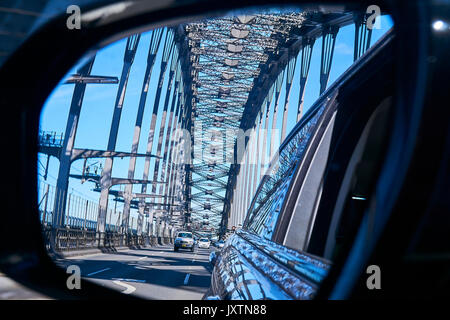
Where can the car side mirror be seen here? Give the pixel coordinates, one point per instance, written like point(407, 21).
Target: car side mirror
point(213, 258)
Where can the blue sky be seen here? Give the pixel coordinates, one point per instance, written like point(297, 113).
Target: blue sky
point(96, 114)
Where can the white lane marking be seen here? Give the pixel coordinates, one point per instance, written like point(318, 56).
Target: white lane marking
point(129, 280)
point(186, 279)
point(129, 289)
point(142, 258)
point(92, 273)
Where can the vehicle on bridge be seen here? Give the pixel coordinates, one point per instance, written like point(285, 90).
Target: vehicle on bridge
point(204, 243)
point(184, 240)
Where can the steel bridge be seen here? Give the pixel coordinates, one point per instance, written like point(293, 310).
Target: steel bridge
point(224, 78)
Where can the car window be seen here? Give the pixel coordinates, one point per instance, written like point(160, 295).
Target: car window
point(310, 192)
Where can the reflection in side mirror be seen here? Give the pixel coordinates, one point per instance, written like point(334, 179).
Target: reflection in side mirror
point(188, 136)
point(213, 258)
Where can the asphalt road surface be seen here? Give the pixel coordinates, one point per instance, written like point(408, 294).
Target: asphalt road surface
point(150, 273)
point(11, 290)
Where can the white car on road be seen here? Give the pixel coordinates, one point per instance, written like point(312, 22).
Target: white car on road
point(184, 240)
point(204, 243)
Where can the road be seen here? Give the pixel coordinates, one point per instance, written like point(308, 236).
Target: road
point(11, 290)
point(150, 273)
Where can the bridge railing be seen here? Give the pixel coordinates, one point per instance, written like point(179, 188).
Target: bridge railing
point(79, 230)
point(66, 239)
point(70, 239)
point(80, 213)
point(79, 226)
point(51, 139)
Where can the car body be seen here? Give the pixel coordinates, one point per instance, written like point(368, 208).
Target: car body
point(204, 243)
point(184, 240)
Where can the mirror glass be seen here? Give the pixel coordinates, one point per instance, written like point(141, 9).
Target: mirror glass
point(162, 147)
